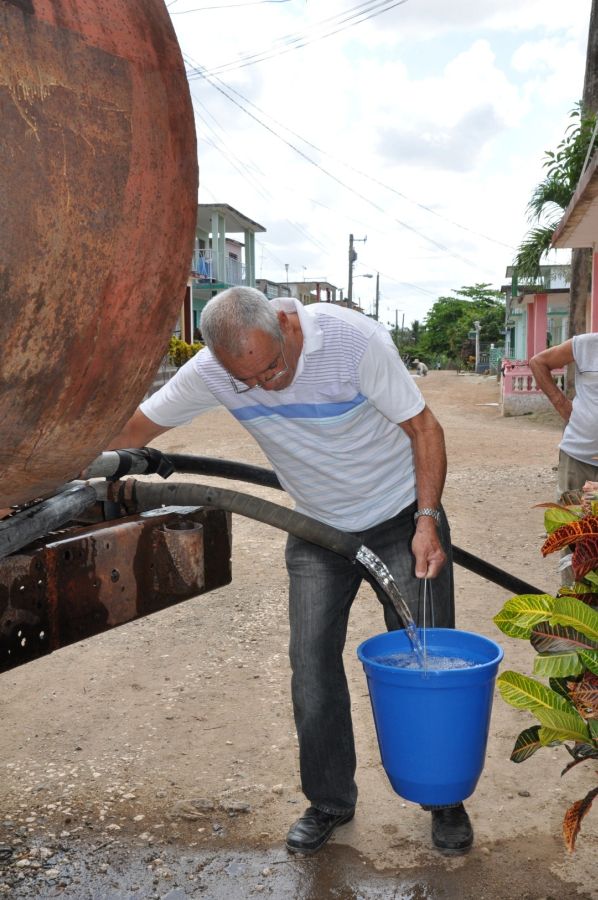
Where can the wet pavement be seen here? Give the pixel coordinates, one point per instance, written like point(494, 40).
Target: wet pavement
point(124, 870)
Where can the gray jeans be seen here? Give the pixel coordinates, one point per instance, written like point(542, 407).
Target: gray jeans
point(323, 586)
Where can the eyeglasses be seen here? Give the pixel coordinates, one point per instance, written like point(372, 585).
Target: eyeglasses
point(240, 387)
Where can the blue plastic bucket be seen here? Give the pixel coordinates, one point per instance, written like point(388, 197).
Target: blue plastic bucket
point(432, 726)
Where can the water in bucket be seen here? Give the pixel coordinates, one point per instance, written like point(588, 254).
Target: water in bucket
point(432, 723)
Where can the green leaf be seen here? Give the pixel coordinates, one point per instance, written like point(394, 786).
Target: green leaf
point(526, 744)
point(508, 625)
point(590, 660)
point(521, 613)
point(530, 604)
point(578, 615)
point(555, 517)
point(548, 737)
point(557, 665)
point(568, 726)
point(593, 726)
point(592, 577)
point(523, 692)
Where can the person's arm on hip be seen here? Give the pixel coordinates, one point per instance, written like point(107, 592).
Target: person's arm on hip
point(542, 365)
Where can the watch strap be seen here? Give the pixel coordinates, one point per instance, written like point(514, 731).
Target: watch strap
point(428, 511)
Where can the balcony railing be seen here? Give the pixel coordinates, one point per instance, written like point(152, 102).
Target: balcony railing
point(204, 268)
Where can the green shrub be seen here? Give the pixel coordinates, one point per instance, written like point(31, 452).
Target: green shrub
point(180, 351)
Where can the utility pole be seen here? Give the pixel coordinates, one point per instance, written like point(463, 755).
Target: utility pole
point(478, 328)
point(377, 295)
point(352, 258)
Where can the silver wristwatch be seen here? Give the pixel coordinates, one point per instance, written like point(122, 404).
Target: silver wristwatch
point(428, 511)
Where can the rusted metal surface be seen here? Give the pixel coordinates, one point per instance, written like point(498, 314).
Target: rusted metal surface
point(87, 580)
point(98, 168)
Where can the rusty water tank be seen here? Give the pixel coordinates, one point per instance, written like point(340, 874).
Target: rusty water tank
point(98, 167)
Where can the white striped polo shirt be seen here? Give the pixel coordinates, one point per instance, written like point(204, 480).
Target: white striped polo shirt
point(332, 435)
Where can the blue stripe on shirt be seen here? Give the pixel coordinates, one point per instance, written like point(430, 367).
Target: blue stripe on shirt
point(299, 410)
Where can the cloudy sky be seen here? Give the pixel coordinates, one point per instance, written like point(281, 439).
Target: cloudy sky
point(420, 124)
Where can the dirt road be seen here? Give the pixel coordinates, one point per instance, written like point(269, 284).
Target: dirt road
point(159, 760)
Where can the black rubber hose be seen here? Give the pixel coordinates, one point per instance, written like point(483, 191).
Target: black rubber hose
point(151, 495)
point(37, 520)
point(223, 468)
point(492, 573)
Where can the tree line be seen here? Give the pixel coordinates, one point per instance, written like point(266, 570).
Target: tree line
point(446, 334)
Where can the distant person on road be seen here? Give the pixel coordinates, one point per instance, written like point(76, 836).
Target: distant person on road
point(578, 450)
point(319, 387)
point(420, 367)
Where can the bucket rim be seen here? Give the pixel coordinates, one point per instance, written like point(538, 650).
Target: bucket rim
point(432, 632)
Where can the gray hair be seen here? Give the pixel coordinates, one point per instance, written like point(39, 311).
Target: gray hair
point(232, 313)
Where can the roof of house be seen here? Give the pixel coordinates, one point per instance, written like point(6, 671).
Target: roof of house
point(579, 225)
point(235, 221)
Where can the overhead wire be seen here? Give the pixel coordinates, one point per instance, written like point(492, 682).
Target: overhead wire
point(360, 172)
point(348, 19)
point(241, 166)
point(183, 12)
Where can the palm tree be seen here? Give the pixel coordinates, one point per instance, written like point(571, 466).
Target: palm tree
point(552, 196)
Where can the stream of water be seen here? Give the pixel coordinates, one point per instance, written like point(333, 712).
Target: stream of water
point(380, 571)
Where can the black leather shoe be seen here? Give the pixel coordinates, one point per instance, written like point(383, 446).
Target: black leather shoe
point(313, 829)
point(451, 829)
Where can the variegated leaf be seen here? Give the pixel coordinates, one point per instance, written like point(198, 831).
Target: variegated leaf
point(523, 692)
point(548, 737)
point(571, 533)
point(557, 515)
point(584, 592)
point(590, 660)
point(584, 695)
point(508, 625)
point(573, 613)
point(526, 744)
point(585, 557)
point(546, 638)
point(557, 665)
point(560, 686)
point(520, 613)
point(568, 726)
point(592, 577)
point(572, 498)
point(574, 816)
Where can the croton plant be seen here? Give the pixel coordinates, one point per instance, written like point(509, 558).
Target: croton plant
point(563, 630)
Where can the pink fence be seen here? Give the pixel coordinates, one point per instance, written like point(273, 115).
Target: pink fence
point(517, 378)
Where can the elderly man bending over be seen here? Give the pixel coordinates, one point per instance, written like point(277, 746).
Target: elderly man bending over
point(325, 394)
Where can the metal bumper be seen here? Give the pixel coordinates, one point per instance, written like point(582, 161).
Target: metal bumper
point(86, 580)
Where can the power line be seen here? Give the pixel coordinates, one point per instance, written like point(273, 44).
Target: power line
point(371, 178)
point(354, 16)
point(183, 12)
point(239, 164)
